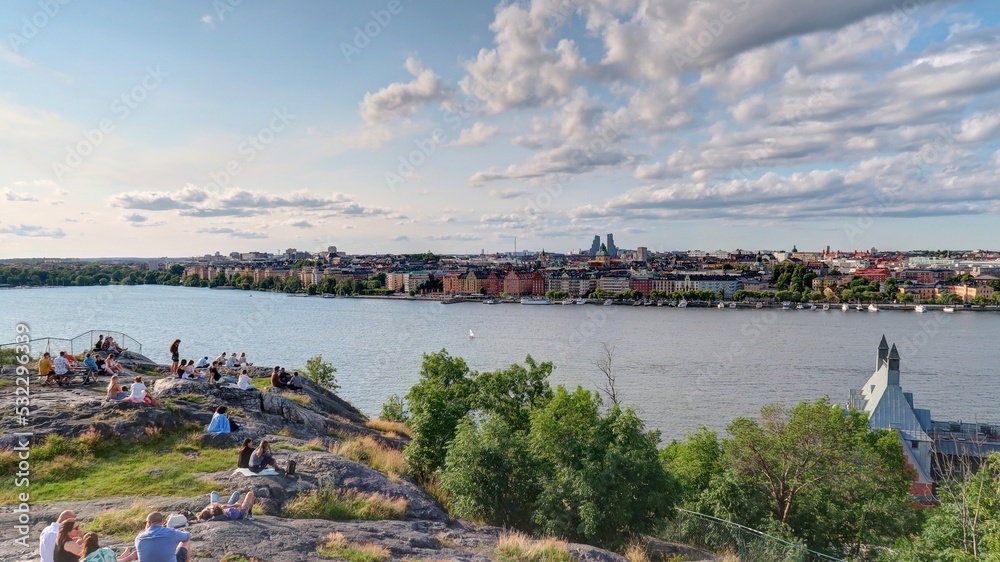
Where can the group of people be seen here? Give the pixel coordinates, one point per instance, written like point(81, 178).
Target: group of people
point(61, 370)
point(137, 391)
point(109, 345)
point(257, 458)
point(65, 541)
point(281, 379)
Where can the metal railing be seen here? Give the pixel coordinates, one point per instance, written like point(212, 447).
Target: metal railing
point(748, 545)
point(76, 345)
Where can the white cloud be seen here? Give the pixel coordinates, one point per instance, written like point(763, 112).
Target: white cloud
point(403, 99)
point(477, 135)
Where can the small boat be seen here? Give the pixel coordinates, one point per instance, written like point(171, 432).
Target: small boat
point(491, 301)
point(721, 306)
point(858, 308)
point(812, 307)
point(872, 307)
point(732, 305)
point(659, 303)
point(682, 304)
point(472, 335)
point(799, 306)
point(637, 303)
point(826, 307)
point(647, 302)
point(609, 302)
point(786, 305)
point(566, 301)
point(529, 300)
point(948, 309)
point(920, 309)
point(844, 307)
point(759, 305)
point(328, 296)
point(581, 301)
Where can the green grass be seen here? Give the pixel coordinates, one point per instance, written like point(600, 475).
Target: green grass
point(90, 467)
point(123, 524)
point(335, 545)
point(193, 398)
point(517, 547)
point(339, 505)
point(4, 383)
point(311, 445)
point(230, 557)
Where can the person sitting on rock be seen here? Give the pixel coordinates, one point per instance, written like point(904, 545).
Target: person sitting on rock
point(221, 422)
point(276, 380)
point(158, 543)
point(112, 367)
point(115, 390)
point(47, 539)
point(221, 359)
point(92, 551)
point(242, 360)
point(203, 362)
point(45, 369)
point(244, 383)
point(232, 511)
point(295, 383)
point(138, 392)
point(243, 461)
point(99, 346)
point(67, 548)
point(191, 373)
point(231, 361)
point(216, 377)
point(91, 364)
point(262, 458)
point(113, 346)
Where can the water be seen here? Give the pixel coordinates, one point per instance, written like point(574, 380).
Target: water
point(679, 368)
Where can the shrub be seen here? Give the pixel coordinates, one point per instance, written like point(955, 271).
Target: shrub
point(394, 410)
point(322, 373)
point(518, 547)
point(338, 505)
point(335, 545)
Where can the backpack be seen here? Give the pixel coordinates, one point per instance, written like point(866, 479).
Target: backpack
point(290, 466)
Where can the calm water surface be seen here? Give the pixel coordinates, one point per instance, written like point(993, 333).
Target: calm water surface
point(681, 368)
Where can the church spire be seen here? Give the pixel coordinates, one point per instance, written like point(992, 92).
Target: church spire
point(883, 353)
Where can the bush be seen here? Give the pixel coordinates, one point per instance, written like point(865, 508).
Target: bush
point(394, 410)
point(322, 373)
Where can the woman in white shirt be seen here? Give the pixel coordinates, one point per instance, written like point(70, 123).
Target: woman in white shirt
point(138, 392)
point(190, 373)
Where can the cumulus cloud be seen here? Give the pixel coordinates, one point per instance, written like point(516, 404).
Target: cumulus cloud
point(476, 135)
point(400, 238)
point(11, 195)
point(980, 127)
point(460, 236)
point(301, 224)
point(403, 99)
point(508, 193)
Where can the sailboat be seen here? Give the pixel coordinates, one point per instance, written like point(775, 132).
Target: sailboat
point(472, 335)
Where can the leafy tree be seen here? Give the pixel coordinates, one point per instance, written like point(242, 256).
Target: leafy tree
point(512, 393)
point(322, 373)
point(829, 480)
point(604, 482)
point(442, 397)
point(394, 410)
point(491, 473)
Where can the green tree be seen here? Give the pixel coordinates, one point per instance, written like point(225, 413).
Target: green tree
point(322, 373)
point(442, 397)
point(394, 409)
point(604, 482)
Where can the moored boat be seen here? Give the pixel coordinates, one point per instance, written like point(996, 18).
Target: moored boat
point(872, 307)
point(491, 301)
point(826, 307)
point(948, 309)
point(844, 307)
point(732, 305)
point(920, 309)
point(721, 306)
point(682, 304)
point(530, 300)
point(609, 302)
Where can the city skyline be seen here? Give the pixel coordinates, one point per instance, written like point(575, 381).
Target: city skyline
point(402, 127)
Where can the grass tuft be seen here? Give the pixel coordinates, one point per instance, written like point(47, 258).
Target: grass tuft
point(340, 505)
point(335, 545)
point(391, 427)
point(123, 524)
point(518, 547)
point(367, 450)
point(191, 397)
point(636, 552)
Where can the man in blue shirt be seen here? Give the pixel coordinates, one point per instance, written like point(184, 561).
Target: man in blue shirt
point(161, 544)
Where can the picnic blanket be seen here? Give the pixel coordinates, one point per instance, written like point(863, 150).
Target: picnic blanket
point(248, 472)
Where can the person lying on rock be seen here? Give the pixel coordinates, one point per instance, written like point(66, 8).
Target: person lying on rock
point(262, 458)
point(92, 551)
point(230, 511)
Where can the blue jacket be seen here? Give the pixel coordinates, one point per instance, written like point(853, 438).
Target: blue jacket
point(220, 424)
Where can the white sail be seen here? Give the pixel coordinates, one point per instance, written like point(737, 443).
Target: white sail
point(472, 334)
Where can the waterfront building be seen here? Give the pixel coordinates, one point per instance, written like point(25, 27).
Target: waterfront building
point(613, 283)
point(969, 292)
point(888, 407)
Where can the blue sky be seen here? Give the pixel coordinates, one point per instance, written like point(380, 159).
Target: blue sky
point(186, 127)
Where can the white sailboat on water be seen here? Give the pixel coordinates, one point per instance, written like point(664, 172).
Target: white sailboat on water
point(472, 335)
